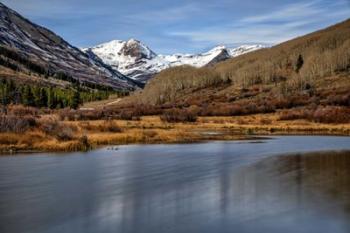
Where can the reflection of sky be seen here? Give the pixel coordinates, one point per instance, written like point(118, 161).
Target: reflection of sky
point(183, 25)
point(270, 195)
point(215, 187)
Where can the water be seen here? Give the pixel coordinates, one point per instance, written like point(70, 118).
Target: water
point(267, 186)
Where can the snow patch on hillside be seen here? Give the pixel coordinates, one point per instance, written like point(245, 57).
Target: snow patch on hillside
point(136, 60)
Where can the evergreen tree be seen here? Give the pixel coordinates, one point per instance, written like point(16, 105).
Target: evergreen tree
point(11, 86)
point(5, 94)
point(51, 100)
point(299, 64)
point(35, 96)
point(5, 98)
point(64, 102)
point(36, 93)
point(75, 100)
point(27, 96)
point(43, 98)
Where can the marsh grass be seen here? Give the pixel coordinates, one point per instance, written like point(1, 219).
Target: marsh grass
point(51, 134)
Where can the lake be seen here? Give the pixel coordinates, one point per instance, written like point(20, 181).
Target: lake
point(284, 184)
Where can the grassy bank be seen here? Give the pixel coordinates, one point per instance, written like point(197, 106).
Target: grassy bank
point(51, 134)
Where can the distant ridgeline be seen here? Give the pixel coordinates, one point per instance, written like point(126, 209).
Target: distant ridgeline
point(312, 68)
point(52, 97)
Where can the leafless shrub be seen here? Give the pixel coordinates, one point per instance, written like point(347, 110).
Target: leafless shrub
point(328, 114)
point(56, 128)
point(76, 115)
point(340, 99)
point(179, 115)
point(15, 124)
point(19, 110)
point(128, 115)
point(332, 114)
point(65, 134)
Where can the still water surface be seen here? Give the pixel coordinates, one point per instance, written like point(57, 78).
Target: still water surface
point(277, 185)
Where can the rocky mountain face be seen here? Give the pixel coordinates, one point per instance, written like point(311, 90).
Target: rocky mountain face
point(24, 42)
point(137, 61)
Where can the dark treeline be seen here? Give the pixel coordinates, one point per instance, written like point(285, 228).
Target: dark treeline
point(8, 56)
point(65, 77)
point(47, 97)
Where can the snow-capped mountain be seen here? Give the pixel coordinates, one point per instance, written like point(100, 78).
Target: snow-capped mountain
point(137, 61)
point(40, 46)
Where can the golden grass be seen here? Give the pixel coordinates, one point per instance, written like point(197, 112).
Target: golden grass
point(151, 129)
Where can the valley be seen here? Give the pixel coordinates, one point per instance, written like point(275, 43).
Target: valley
point(56, 97)
point(174, 116)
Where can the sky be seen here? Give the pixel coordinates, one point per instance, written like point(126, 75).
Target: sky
point(182, 26)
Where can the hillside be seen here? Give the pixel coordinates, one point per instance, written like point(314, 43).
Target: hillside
point(310, 71)
point(31, 50)
point(137, 61)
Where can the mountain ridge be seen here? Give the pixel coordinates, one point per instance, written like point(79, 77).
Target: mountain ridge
point(135, 59)
point(308, 71)
point(38, 45)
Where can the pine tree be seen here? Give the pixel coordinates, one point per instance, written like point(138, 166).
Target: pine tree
point(27, 96)
point(5, 98)
point(299, 64)
point(75, 100)
point(51, 99)
point(43, 98)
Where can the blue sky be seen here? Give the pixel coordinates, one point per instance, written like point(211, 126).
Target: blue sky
point(169, 26)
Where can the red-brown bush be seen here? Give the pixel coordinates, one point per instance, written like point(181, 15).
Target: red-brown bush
point(328, 114)
point(331, 114)
point(179, 115)
point(60, 130)
point(76, 115)
point(20, 110)
point(16, 124)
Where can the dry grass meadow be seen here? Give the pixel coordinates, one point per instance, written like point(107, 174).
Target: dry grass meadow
point(51, 134)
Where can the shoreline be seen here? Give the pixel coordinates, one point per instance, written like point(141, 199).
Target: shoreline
point(252, 138)
point(86, 135)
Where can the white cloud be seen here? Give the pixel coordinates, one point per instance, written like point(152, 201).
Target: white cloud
point(286, 23)
point(170, 14)
point(289, 12)
point(269, 34)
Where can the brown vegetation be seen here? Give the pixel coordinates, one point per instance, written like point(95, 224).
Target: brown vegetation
point(49, 133)
point(16, 124)
point(298, 87)
point(328, 114)
point(178, 115)
point(305, 72)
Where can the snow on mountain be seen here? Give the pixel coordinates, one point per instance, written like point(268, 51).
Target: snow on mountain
point(137, 61)
point(234, 52)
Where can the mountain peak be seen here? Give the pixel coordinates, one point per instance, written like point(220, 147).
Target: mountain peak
point(138, 61)
point(138, 50)
point(133, 41)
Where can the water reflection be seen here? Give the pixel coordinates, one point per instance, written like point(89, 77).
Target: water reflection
point(294, 193)
point(201, 188)
point(294, 184)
